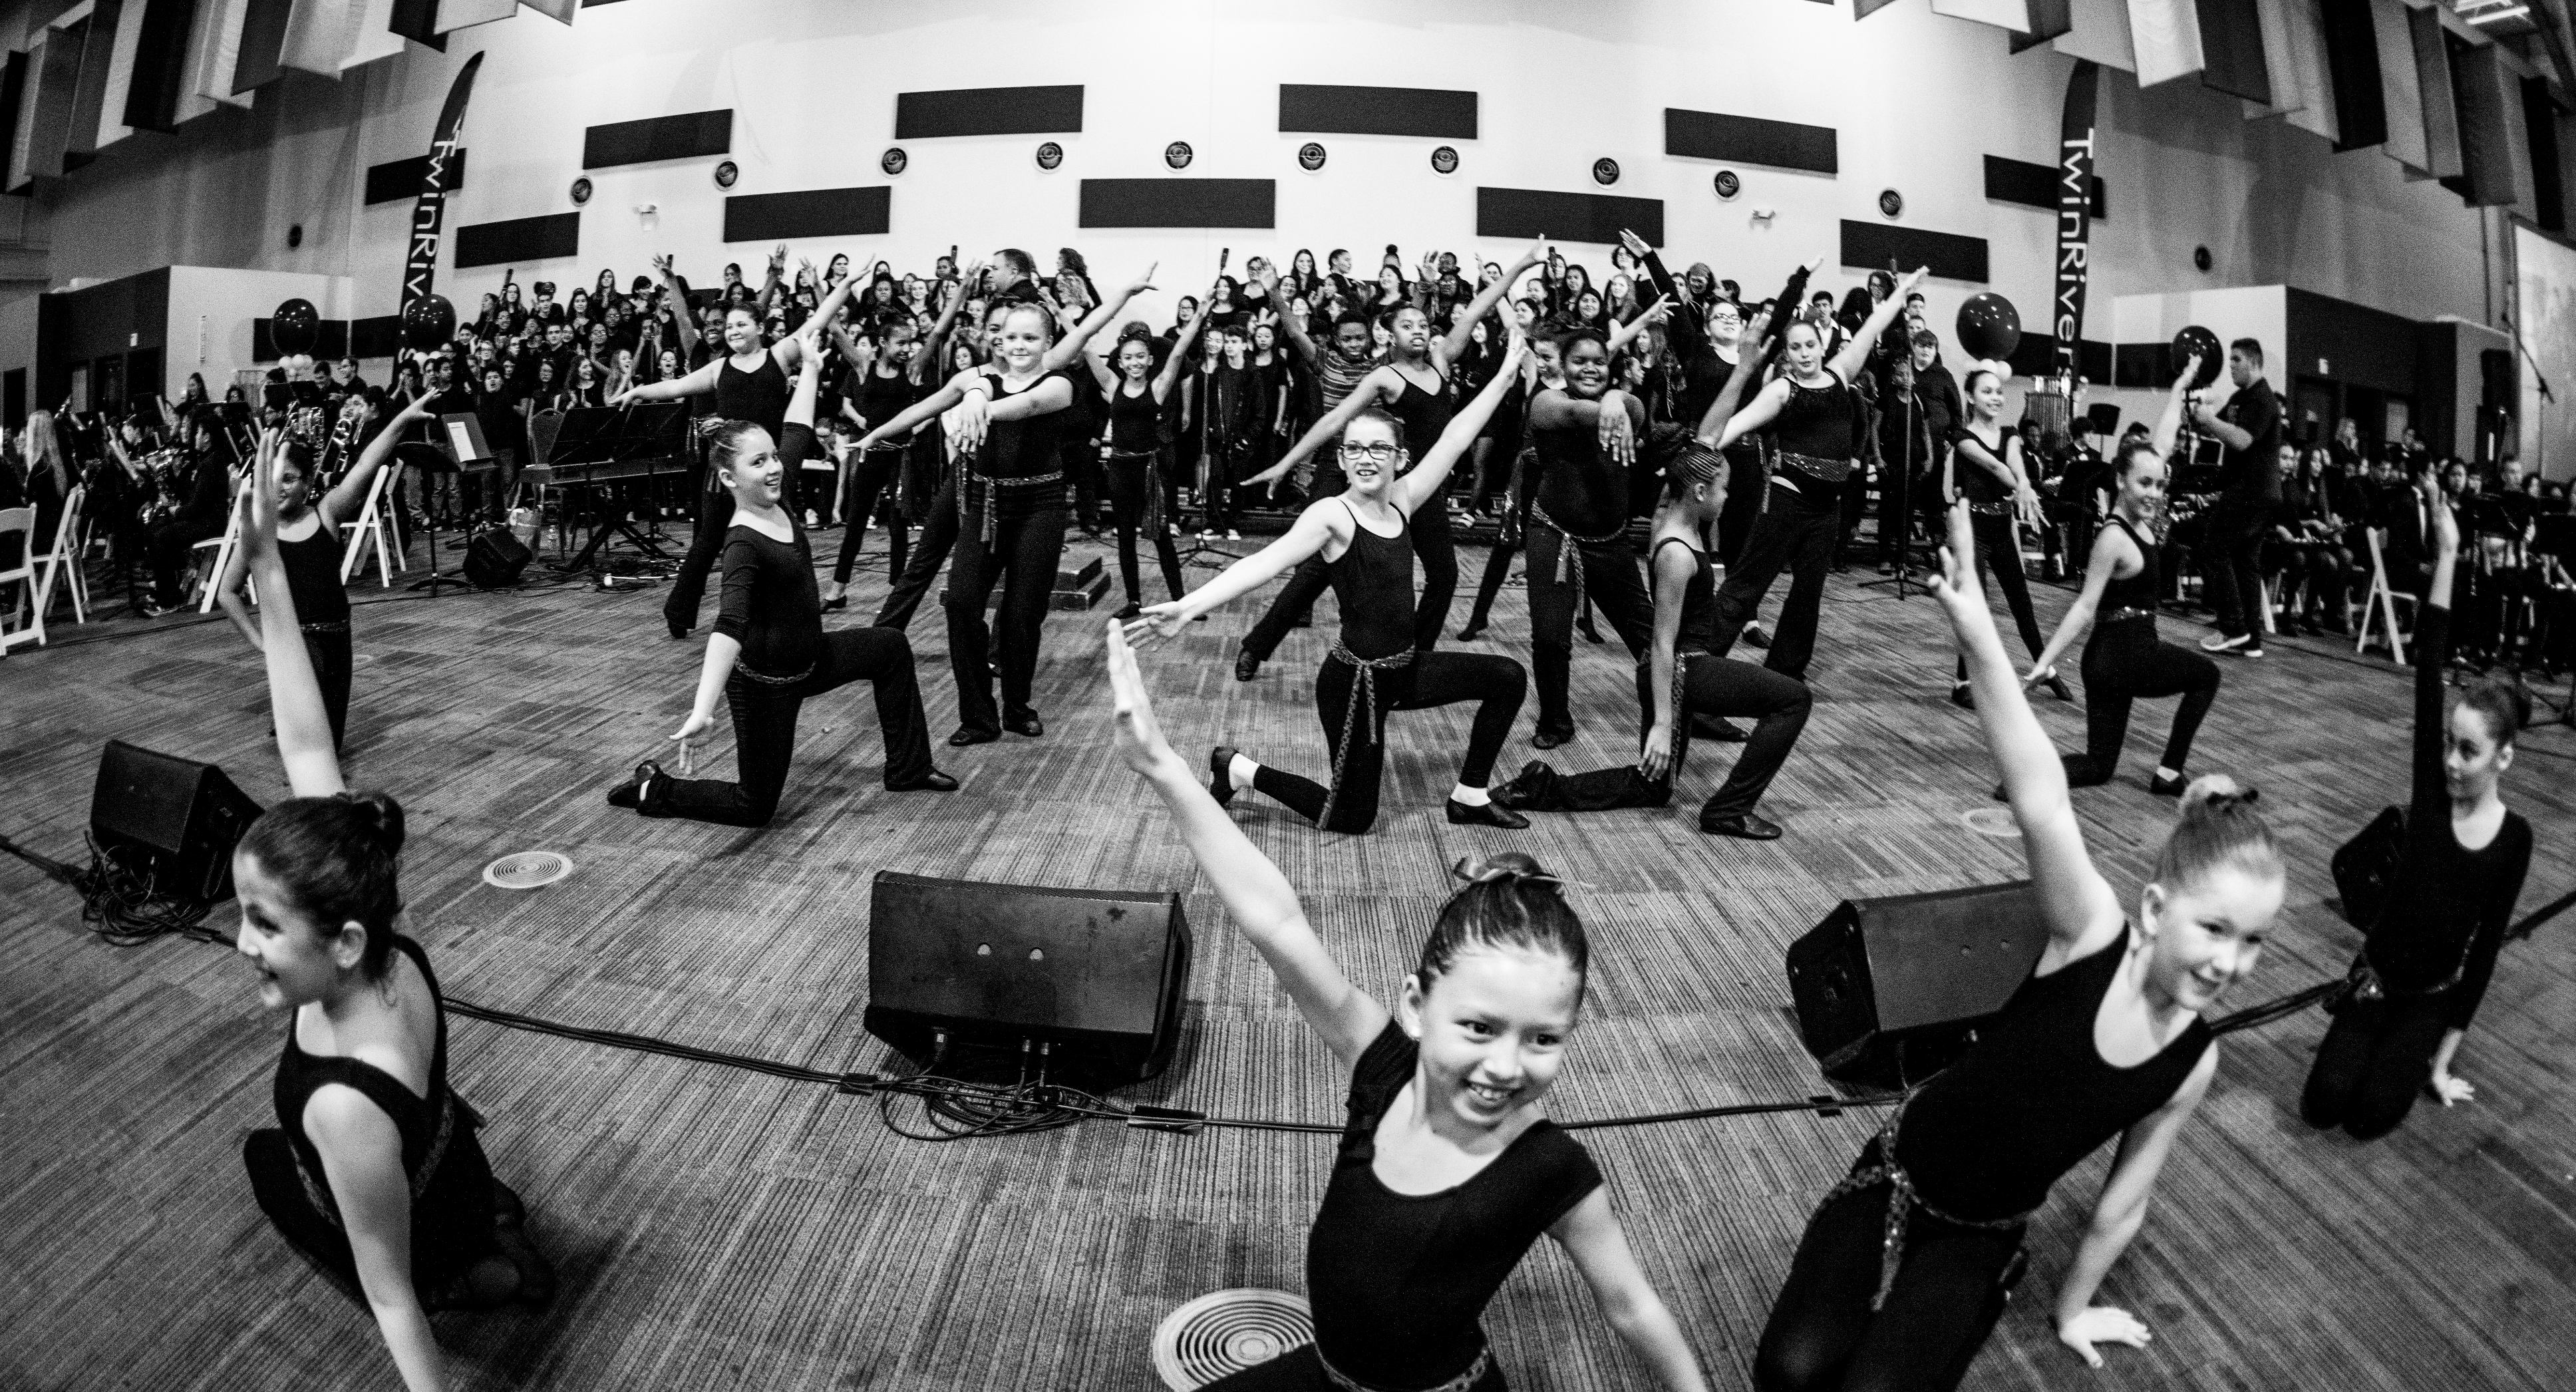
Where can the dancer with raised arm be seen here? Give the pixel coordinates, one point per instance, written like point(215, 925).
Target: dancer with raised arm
point(1005, 425)
point(1909, 1261)
point(2424, 967)
point(1679, 679)
point(2123, 658)
point(769, 652)
point(1584, 437)
point(1985, 466)
point(308, 540)
point(374, 1172)
point(1363, 534)
point(1136, 394)
point(1447, 1173)
point(893, 371)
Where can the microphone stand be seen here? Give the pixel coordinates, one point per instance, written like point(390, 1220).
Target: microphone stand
point(1903, 581)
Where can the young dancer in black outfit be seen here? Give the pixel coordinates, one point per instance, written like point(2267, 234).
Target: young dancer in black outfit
point(1005, 424)
point(1985, 466)
point(373, 1173)
point(1678, 678)
point(1584, 437)
point(1136, 393)
point(1908, 1263)
point(2424, 968)
point(769, 652)
point(2124, 659)
point(1446, 1173)
point(1816, 417)
point(889, 380)
point(308, 537)
point(1363, 535)
point(1708, 341)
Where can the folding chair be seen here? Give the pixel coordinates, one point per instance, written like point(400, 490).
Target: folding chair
point(211, 579)
point(374, 528)
point(66, 557)
point(2381, 604)
point(28, 615)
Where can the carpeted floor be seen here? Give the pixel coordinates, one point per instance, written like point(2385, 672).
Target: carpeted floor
point(719, 1229)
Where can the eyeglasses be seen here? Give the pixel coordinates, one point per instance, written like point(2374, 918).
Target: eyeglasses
point(1375, 454)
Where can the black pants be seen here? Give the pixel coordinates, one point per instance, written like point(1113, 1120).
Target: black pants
point(333, 666)
point(878, 473)
point(2231, 564)
point(1022, 559)
point(1710, 686)
point(1795, 534)
point(2124, 661)
point(1748, 481)
point(1951, 1288)
point(1999, 551)
point(764, 729)
point(1610, 580)
point(938, 538)
point(1132, 483)
point(1495, 684)
point(1217, 504)
point(1437, 551)
point(1081, 465)
point(172, 543)
point(2376, 1058)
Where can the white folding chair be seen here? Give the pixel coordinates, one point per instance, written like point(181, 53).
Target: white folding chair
point(65, 558)
point(374, 528)
point(211, 579)
point(2381, 605)
point(22, 611)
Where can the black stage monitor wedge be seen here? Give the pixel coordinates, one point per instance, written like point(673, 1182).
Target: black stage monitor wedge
point(1094, 974)
point(1890, 990)
point(494, 558)
point(172, 821)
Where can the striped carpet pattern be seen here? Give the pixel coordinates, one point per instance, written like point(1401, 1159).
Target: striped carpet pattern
point(720, 1229)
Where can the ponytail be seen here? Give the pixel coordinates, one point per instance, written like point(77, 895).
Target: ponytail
point(1507, 902)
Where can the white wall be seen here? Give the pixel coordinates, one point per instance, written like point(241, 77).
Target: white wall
point(210, 319)
point(2545, 274)
point(1919, 100)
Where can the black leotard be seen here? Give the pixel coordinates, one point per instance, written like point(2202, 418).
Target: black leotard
point(1399, 1281)
point(1814, 431)
point(759, 396)
point(1699, 599)
point(1373, 583)
point(1424, 415)
point(2136, 594)
point(313, 577)
point(1134, 420)
point(1987, 1137)
point(770, 602)
point(881, 398)
point(1984, 492)
point(1580, 490)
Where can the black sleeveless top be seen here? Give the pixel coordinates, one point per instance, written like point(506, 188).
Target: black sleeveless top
point(2138, 592)
point(758, 396)
point(1581, 490)
point(882, 398)
point(1699, 599)
point(1135, 421)
point(451, 1200)
point(1987, 1137)
point(1816, 421)
point(313, 576)
point(1399, 1281)
point(1025, 448)
point(1373, 584)
point(1424, 415)
point(1980, 488)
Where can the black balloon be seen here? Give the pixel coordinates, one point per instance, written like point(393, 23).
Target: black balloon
point(428, 322)
point(1989, 326)
point(2197, 341)
point(295, 328)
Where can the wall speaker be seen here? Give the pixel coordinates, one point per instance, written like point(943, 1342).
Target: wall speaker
point(964, 974)
point(494, 559)
point(1889, 991)
point(173, 822)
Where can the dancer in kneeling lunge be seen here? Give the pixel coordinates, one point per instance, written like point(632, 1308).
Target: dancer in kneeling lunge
point(769, 651)
point(1909, 1261)
point(1985, 467)
point(373, 1174)
point(2123, 657)
point(2424, 968)
point(1678, 678)
point(1447, 1172)
point(1364, 535)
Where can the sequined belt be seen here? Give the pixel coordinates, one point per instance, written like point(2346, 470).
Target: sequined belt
point(1991, 509)
point(328, 626)
point(765, 679)
point(318, 1193)
point(1823, 470)
point(1570, 555)
point(1363, 698)
point(987, 526)
point(2112, 616)
point(1902, 1200)
point(1474, 1373)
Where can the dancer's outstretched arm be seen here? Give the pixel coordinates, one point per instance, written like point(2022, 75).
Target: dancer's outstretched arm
point(1257, 897)
point(1447, 348)
point(2117, 1216)
point(1382, 384)
point(2169, 425)
point(1322, 521)
point(1423, 481)
point(1070, 347)
point(304, 741)
point(2109, 544)
point(1855, 354)
point(1591, 1235)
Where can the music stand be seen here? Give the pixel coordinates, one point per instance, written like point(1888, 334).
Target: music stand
point(635, 442)
point(428, 459)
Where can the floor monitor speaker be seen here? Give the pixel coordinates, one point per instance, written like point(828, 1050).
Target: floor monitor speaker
point(1888, 991)
point(173, 822)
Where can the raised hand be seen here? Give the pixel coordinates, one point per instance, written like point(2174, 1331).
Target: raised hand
point(1144, 282)
point(662, 265)
point(1139, 738)
point(1635, 244)
point(1267, 277)
point(1906, 286)
point(1956, 586)
point(1659, 311)
point(259, 501)
point(2190, 373)
point(778, 260)
point(2102, 1324)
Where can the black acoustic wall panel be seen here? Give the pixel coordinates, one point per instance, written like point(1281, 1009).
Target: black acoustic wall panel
point(263, 38)
point(988, 111)
point(160, 65)
point(54, 66)
point(2352, 70)
point(1377, 111)
point(785, 217)
point(1750, 140)
point(1951, 257)
point(417, 20)
point(2035, 185)
point(388, 183)
point(89, 94)
point(2493, 156)
point(686, 136)
point(2231, 40)
point(1180, 203)
point(1567, 217)
point(519, 239)
point(2540, 128)
point(13, 93)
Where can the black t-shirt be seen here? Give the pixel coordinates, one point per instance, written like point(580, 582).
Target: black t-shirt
point(2253, 473)
point(770, 603)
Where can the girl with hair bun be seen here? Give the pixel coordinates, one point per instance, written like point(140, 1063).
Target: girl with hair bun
point(2425, 965)
point(1909, 1261)
point(374, 1173)
point(1985, 467)
point(1447, 1173)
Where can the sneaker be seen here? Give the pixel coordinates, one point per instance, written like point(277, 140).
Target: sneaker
point(1755, 636)
point(2167, 787)
point(1232, 535)
point(2220, 642)
point(1221, 774)
point(2249, 650)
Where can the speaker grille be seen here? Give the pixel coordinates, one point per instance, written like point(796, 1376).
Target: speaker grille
point(527, 870)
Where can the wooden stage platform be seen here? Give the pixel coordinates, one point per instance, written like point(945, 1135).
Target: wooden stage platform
point(718, 1229)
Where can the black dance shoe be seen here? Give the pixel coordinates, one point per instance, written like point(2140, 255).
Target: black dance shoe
point(1024, 723)
point(931, 782)
point(1246, 666)
point(1470, 632)
point(1550, 738)
point(679, 631)
point(1491, 814)
point(1520, 791)
point(2057, 686)
point(1744, 826)
point(1755, 636)
point(630, 794)
point(972, 734)
point(837, 602)
point(1963, 696)
point(1584, 627)
point(1132, 610)
point(1718, 728)
point(2162, 786)
point(1221, 774)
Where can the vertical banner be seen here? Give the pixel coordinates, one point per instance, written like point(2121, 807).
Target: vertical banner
point(421, 268)
point(2074, 211)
